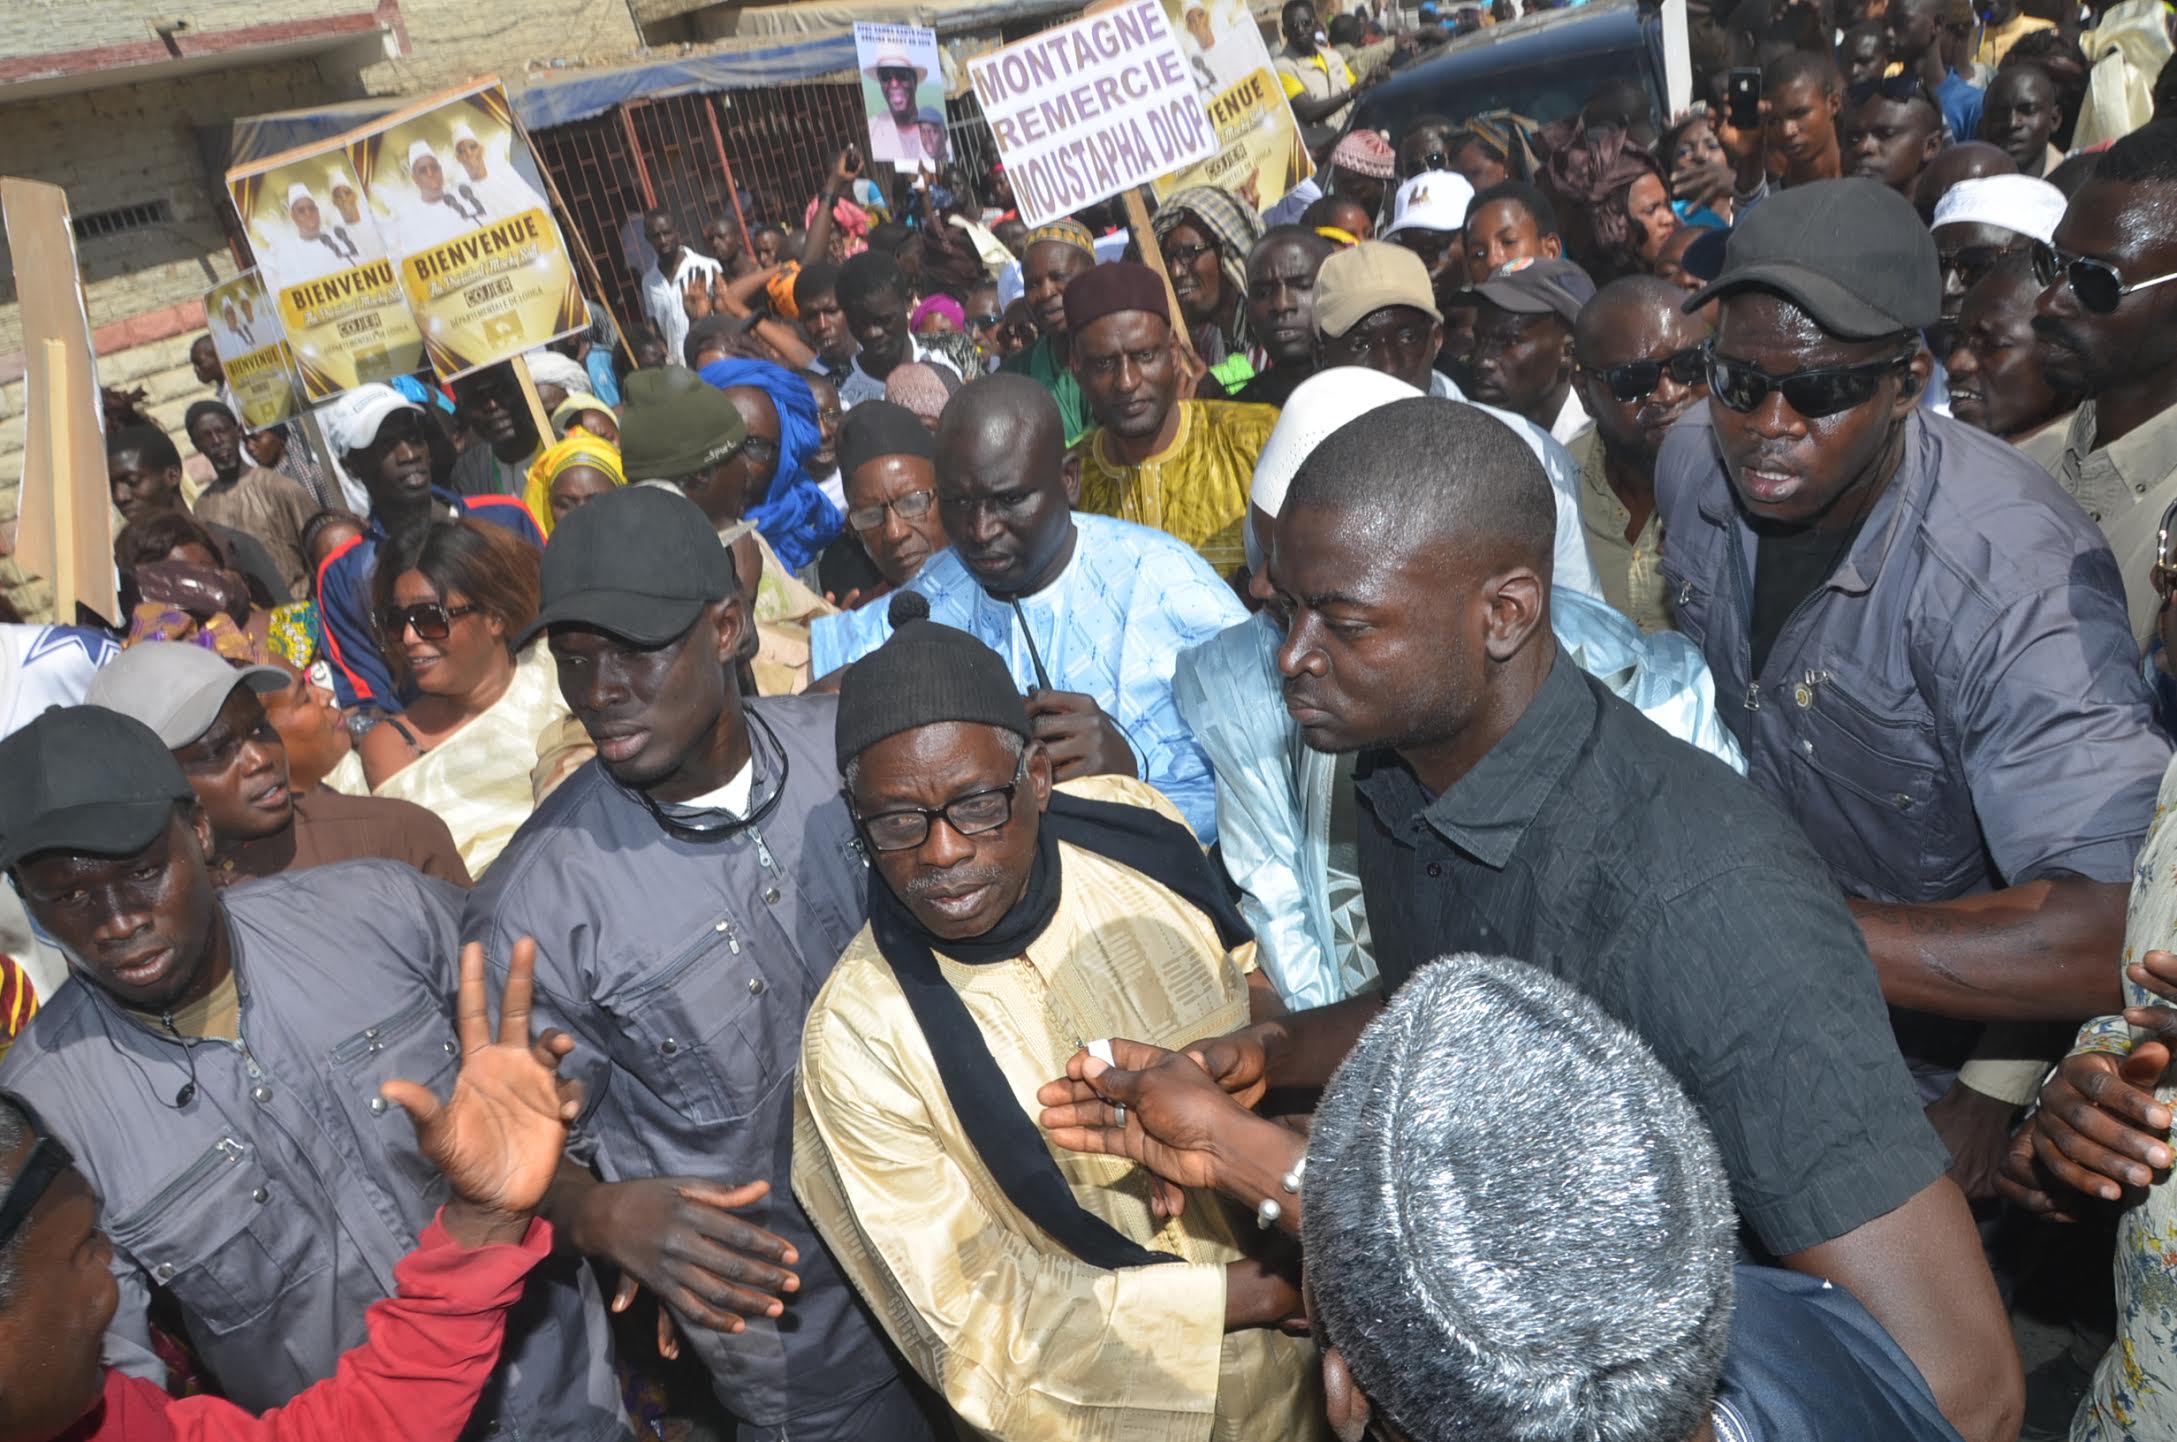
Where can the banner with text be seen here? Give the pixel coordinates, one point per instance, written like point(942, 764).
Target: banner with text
point(479, 257)
point(321, 256)
point(245, 329)
point(1260, 153)
point(1092, 108)
point(903, 93)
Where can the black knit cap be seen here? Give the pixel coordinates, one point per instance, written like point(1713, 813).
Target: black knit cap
point(926, 673)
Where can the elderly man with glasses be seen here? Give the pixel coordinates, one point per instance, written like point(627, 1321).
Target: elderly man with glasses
point(1922, 649)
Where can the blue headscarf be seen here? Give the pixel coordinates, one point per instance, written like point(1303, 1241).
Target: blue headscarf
point(795, 517)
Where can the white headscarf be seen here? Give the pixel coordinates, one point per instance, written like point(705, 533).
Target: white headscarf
point(1318, 406)
point(2009, 202)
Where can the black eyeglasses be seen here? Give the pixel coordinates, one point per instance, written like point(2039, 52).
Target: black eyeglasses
point(1637, 380)
point(984, 322)
point(431, 620)
point(1434, 160)
point(1430, 245)
point(2099, 285)
point(970, 815)
point(1187, 254)
point(1813, 393)
point(911, 507)
point(48, 1158)
point(1972, 263)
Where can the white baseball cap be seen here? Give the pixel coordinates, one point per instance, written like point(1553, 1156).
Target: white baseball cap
point(2009, 202)
point(1432, 200)
point(351, 420)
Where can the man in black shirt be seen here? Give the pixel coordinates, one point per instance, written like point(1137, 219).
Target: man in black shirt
point(1509, 805)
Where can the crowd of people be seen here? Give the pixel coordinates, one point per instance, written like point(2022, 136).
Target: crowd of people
point(1527, 795)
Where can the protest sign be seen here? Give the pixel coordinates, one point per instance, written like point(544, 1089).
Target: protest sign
point(245, 329)
point(1260, 153)
point(903, 93)
point(479, 257)
point(321, 253)
point(1092, 108)
point(64, 516)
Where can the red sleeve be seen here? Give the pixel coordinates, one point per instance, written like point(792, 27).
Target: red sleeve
point(432, 1347)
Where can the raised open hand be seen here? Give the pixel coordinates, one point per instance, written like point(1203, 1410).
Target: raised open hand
point(498, 1137)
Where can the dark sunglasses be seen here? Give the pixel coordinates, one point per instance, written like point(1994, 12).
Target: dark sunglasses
point(1637, 380)
point(1813, 393)
point(2099, 285)
point(984, 322)
point(1434, 160)
point(431, 620)
point(1891, 87)
point(48, 1158)
point(760, 449)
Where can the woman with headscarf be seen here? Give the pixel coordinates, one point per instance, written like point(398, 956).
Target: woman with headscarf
point(580, 468)
point(794, 516)
point(1206, 234)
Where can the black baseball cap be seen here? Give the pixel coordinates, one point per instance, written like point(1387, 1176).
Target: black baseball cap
point(640, 562)
point(85, 779)
point(1853, 254)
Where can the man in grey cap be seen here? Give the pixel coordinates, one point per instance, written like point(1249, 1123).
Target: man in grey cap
point(208, 714)
point(1523, 358)
point(688, 892)
point(1925, 641)
point(216, 1069)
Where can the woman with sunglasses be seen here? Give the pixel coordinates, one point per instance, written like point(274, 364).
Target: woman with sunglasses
point(450, 598)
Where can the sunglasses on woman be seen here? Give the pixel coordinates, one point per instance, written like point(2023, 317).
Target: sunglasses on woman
point(2099, 286)
point(430, 620)
point(1637, 380)
point(1814, 394)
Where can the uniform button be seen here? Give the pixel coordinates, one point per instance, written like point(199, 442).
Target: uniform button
point(260, 1195)
point(1435, 869)
point(1904, 802)
point(377, 1106)
point(164, 1271)
point(723, 926)
point(771, 895)
point(260, 1094)
point(669, 1046)
point(755, 986)
point(446, 1047)
point(1807, 746)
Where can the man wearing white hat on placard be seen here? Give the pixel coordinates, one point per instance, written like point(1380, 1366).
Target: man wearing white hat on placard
point(500, 194)
point(350, 224)
point(309, 250)
point(438, 212)
point(898, 79)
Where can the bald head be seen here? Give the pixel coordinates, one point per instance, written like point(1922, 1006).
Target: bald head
point(758, 412)
point(1630, 298)
point(1002, 417)
point(1968, 161)
point(1418, 472)
point(1001, 484)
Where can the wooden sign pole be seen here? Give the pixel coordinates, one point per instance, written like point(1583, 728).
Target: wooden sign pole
point(535, 402)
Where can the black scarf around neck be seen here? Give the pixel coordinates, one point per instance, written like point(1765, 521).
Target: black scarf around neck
point(1009, 1142)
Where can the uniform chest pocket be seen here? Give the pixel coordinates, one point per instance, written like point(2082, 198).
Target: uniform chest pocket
point(1883, 775)
point(213, 1235)
point(414, 1043)
point(699, 1033)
